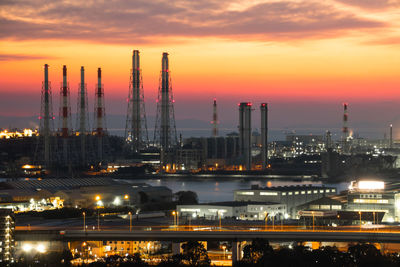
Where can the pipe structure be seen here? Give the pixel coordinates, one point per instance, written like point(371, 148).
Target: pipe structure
point(136, 133)
point(264, 135)
point(245, 109)
point(215, 119)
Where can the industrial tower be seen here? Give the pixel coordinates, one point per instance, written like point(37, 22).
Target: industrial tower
point(245, 109)
point(136, 134)
point(46, 121)
point(83, 118)
point(165, 130)
point(345, 129)
point(264, 135)
point(99, 119)
point(65, 120)
point(214, 121)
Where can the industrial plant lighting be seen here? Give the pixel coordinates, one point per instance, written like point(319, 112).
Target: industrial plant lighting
point(97, 198)
point(27, 247)
point(371, 185)
point(40, 248)
point(117, 201)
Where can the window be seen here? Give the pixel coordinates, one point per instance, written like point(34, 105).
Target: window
point(336, 207)
point(333, 190)
point(371, 201)
point(321, 191)
point(284, 194)
point(325, 207)
point(246, 193)
point(296, 193)
point(309, 192)
point(290, 193)
point(327, 191)
point(314, 207)
point(315, 191)
point(268, 193)
point(303, 192)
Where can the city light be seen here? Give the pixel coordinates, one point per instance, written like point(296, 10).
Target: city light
point(117, 201)
point(367, 185)
point(27, 247)
point(41, 248)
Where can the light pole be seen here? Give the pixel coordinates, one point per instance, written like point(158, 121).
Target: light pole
point(374, 218)
point(224, 248)
point(220, 220)
point(312, 220)
point(84, 221)
point(130, 221)
point(360, 219)
point(174, 213)
point(273, 221)
point(98, 220)
point(265, 220)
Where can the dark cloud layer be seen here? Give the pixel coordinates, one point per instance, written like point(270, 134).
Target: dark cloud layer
point(14, 57)
point(139, 21)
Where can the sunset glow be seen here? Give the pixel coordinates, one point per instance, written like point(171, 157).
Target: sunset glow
point(273, 51)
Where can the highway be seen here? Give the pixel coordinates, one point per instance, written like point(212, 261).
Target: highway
point(213, 233)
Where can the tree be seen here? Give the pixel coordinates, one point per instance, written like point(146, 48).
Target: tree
point(195, 254)
point(259, 251)
point(186, 197)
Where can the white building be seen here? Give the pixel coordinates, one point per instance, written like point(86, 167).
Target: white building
point(233, 209)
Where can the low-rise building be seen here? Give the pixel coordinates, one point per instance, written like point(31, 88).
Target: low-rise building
point(233, 209)
point(291, 196)
point(7, 243)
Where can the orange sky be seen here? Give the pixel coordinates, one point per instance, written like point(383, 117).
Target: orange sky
point(272, 51)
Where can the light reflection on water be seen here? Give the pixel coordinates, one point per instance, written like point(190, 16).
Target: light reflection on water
point(210, 190)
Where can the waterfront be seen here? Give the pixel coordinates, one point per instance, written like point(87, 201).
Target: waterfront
point(216, 189)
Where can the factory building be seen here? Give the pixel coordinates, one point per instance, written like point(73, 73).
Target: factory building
point(233, 209)
point(291, 196)
point(375, 196)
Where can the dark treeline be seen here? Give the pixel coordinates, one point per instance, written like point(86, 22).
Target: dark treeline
point(259, 253)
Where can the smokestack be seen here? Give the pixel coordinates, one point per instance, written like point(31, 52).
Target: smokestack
point(165, 130)
point(46, 116)
point(345, 129)
point(391, 136)
point(83, 115)
point(264, 135)
point(245, 109)
point(136, 133)
point(64, 111)
point(100, 115)
point(215, 119)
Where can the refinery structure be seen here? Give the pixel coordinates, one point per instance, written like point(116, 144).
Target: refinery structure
point(79, 143)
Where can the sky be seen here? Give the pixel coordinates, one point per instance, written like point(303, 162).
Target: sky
point(303, 57)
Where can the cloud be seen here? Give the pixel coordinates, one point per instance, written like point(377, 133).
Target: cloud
point(14, 57)
point(372, 4)
point(143, 21)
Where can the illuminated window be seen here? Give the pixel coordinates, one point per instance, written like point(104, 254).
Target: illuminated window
point(284, 194)
point(327, 191)
point(296, 193)
point(246, 193)
point(268, 193)
point(321, 191)
point(309, 192)
point(315, 191)
point(371, 201)
point(303, 192)
point(336, 207)
point(290, 193)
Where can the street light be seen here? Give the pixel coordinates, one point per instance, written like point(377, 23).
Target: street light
point(174, 213)
point(273, 221)
point(98, 220)
point(130, 221)
point(224, 248)
point(360, 219)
